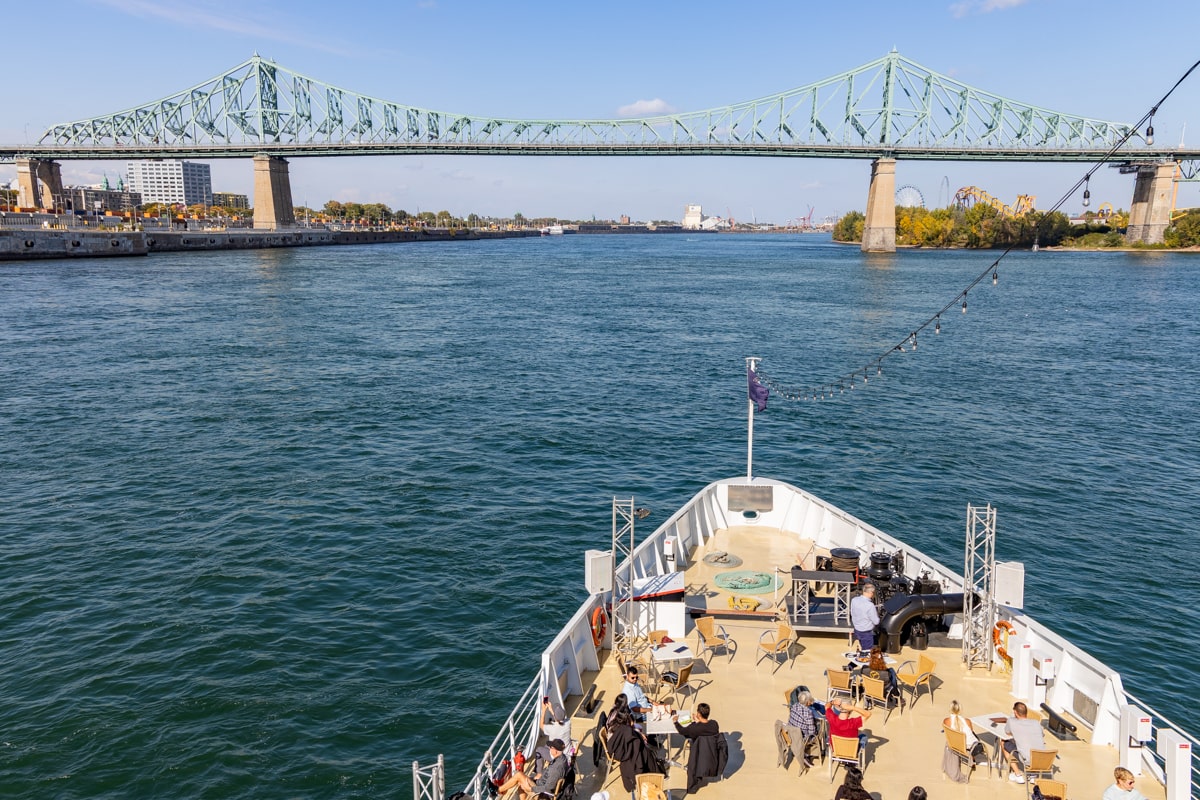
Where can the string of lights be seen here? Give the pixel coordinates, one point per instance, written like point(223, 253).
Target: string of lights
point(874, 368)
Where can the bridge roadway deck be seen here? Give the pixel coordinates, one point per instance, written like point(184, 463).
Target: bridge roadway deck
point(9, 153)
point(904, 750)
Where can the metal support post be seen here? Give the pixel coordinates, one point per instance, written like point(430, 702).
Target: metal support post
point(979, 600)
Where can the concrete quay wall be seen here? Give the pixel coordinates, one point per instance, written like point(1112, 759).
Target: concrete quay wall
point(18, 245)
point(36, 243)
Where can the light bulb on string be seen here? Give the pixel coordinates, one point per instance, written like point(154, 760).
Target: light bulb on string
point(1150, 134)
point(1087, 193)
point(995, 277)
point(964, 306)
point(913, 339)
point(937, 326)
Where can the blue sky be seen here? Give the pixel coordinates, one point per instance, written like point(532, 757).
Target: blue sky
point(1109, 60)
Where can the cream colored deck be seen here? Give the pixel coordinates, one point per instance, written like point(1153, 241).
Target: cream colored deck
point(905, 751)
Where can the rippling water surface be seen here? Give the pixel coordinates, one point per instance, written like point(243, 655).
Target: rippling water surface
point(277, 524)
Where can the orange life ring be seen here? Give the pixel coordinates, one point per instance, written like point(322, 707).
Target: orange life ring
point(1000, 635)
point(599, 625)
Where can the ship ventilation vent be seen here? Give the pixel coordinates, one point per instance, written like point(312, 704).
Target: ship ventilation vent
point(1085, 708)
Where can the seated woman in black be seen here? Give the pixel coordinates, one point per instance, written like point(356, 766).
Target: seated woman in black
point(629, 746)
point(852, 788)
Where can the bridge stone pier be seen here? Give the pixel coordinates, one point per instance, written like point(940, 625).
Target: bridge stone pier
point(879, 230)
point(1150, 211)
point(40, 183)
point(272, 194)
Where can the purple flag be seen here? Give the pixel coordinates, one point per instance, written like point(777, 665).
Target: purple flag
point(756, 391)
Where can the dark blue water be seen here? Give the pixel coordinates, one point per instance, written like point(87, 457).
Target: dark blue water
point(278, 524)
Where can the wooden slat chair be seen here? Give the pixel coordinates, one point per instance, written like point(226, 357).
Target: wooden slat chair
point(649, 786)
point(841, 682)
point(1051, 788)
point(844, 750)
point(684, 681)
point(873, 690)
point(957, 742)
point(712, 637)
point(1041, 762)
point(612, 766)
point(916, 678)
point(775, 644)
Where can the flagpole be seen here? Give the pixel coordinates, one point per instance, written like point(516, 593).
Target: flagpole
point(751, 363)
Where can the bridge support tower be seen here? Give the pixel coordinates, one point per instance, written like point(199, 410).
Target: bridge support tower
point(40, 183)
point(879, 230)
point(1150, 211)
point(272, 194)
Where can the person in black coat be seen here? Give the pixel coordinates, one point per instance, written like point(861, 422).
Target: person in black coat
point(629, 746)
point(709, 751)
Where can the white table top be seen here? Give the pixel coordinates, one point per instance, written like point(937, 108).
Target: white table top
point(984, 724)
point(659, 721)
point(671, 651)
point(853, 658)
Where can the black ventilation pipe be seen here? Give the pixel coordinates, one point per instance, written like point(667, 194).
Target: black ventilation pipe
point(901, 610)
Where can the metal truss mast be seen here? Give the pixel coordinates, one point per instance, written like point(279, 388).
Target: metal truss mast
point(979, 599)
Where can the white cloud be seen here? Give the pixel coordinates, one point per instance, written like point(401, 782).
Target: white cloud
point(983, 6)
point(645, 108)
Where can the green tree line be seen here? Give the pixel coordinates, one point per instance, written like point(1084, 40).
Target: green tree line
point(982, 226)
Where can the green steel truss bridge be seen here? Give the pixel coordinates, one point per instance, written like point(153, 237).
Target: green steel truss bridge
point(889, 108)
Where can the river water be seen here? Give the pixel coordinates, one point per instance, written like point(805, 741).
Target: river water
point(279, 523)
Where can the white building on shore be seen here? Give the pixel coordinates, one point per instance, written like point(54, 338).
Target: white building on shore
point(168, 180)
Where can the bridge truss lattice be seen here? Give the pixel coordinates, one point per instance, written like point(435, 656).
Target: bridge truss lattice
point(891, 106)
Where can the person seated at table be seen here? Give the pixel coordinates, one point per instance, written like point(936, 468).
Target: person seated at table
point(852, 787)
point(630, 747)
point(709, 751)
point(1122, 788)
point(801, 716)
point(639, 704)
point(957, 722)
point(619, 702)
point(1026, 734)
point(547, 781)
point(877, 663)
point(846, 719)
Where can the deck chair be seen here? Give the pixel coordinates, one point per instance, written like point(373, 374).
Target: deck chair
point(612, 766)
point(712, 636)
point(775, 644)
point(956, 742)
point(1041, 762)
point(649, 786)
point(874, 691)
point(841, 682)
point(917, 677)
point(1051, 788)
point(682, 681)
point(844, 750)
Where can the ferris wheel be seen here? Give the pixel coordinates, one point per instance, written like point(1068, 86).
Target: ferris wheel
point(909, 196)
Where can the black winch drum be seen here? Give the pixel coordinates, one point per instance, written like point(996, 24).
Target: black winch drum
point(845, 559)
point(881, 566)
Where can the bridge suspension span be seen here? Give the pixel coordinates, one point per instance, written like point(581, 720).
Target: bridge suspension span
point(891, 106)
point(887, 110)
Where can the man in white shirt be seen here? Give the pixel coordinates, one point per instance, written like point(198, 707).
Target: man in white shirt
point(864, 617)
point(639, 704)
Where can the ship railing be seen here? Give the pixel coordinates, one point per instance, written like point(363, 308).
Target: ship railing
point(1155, 759)
point(518, 731)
